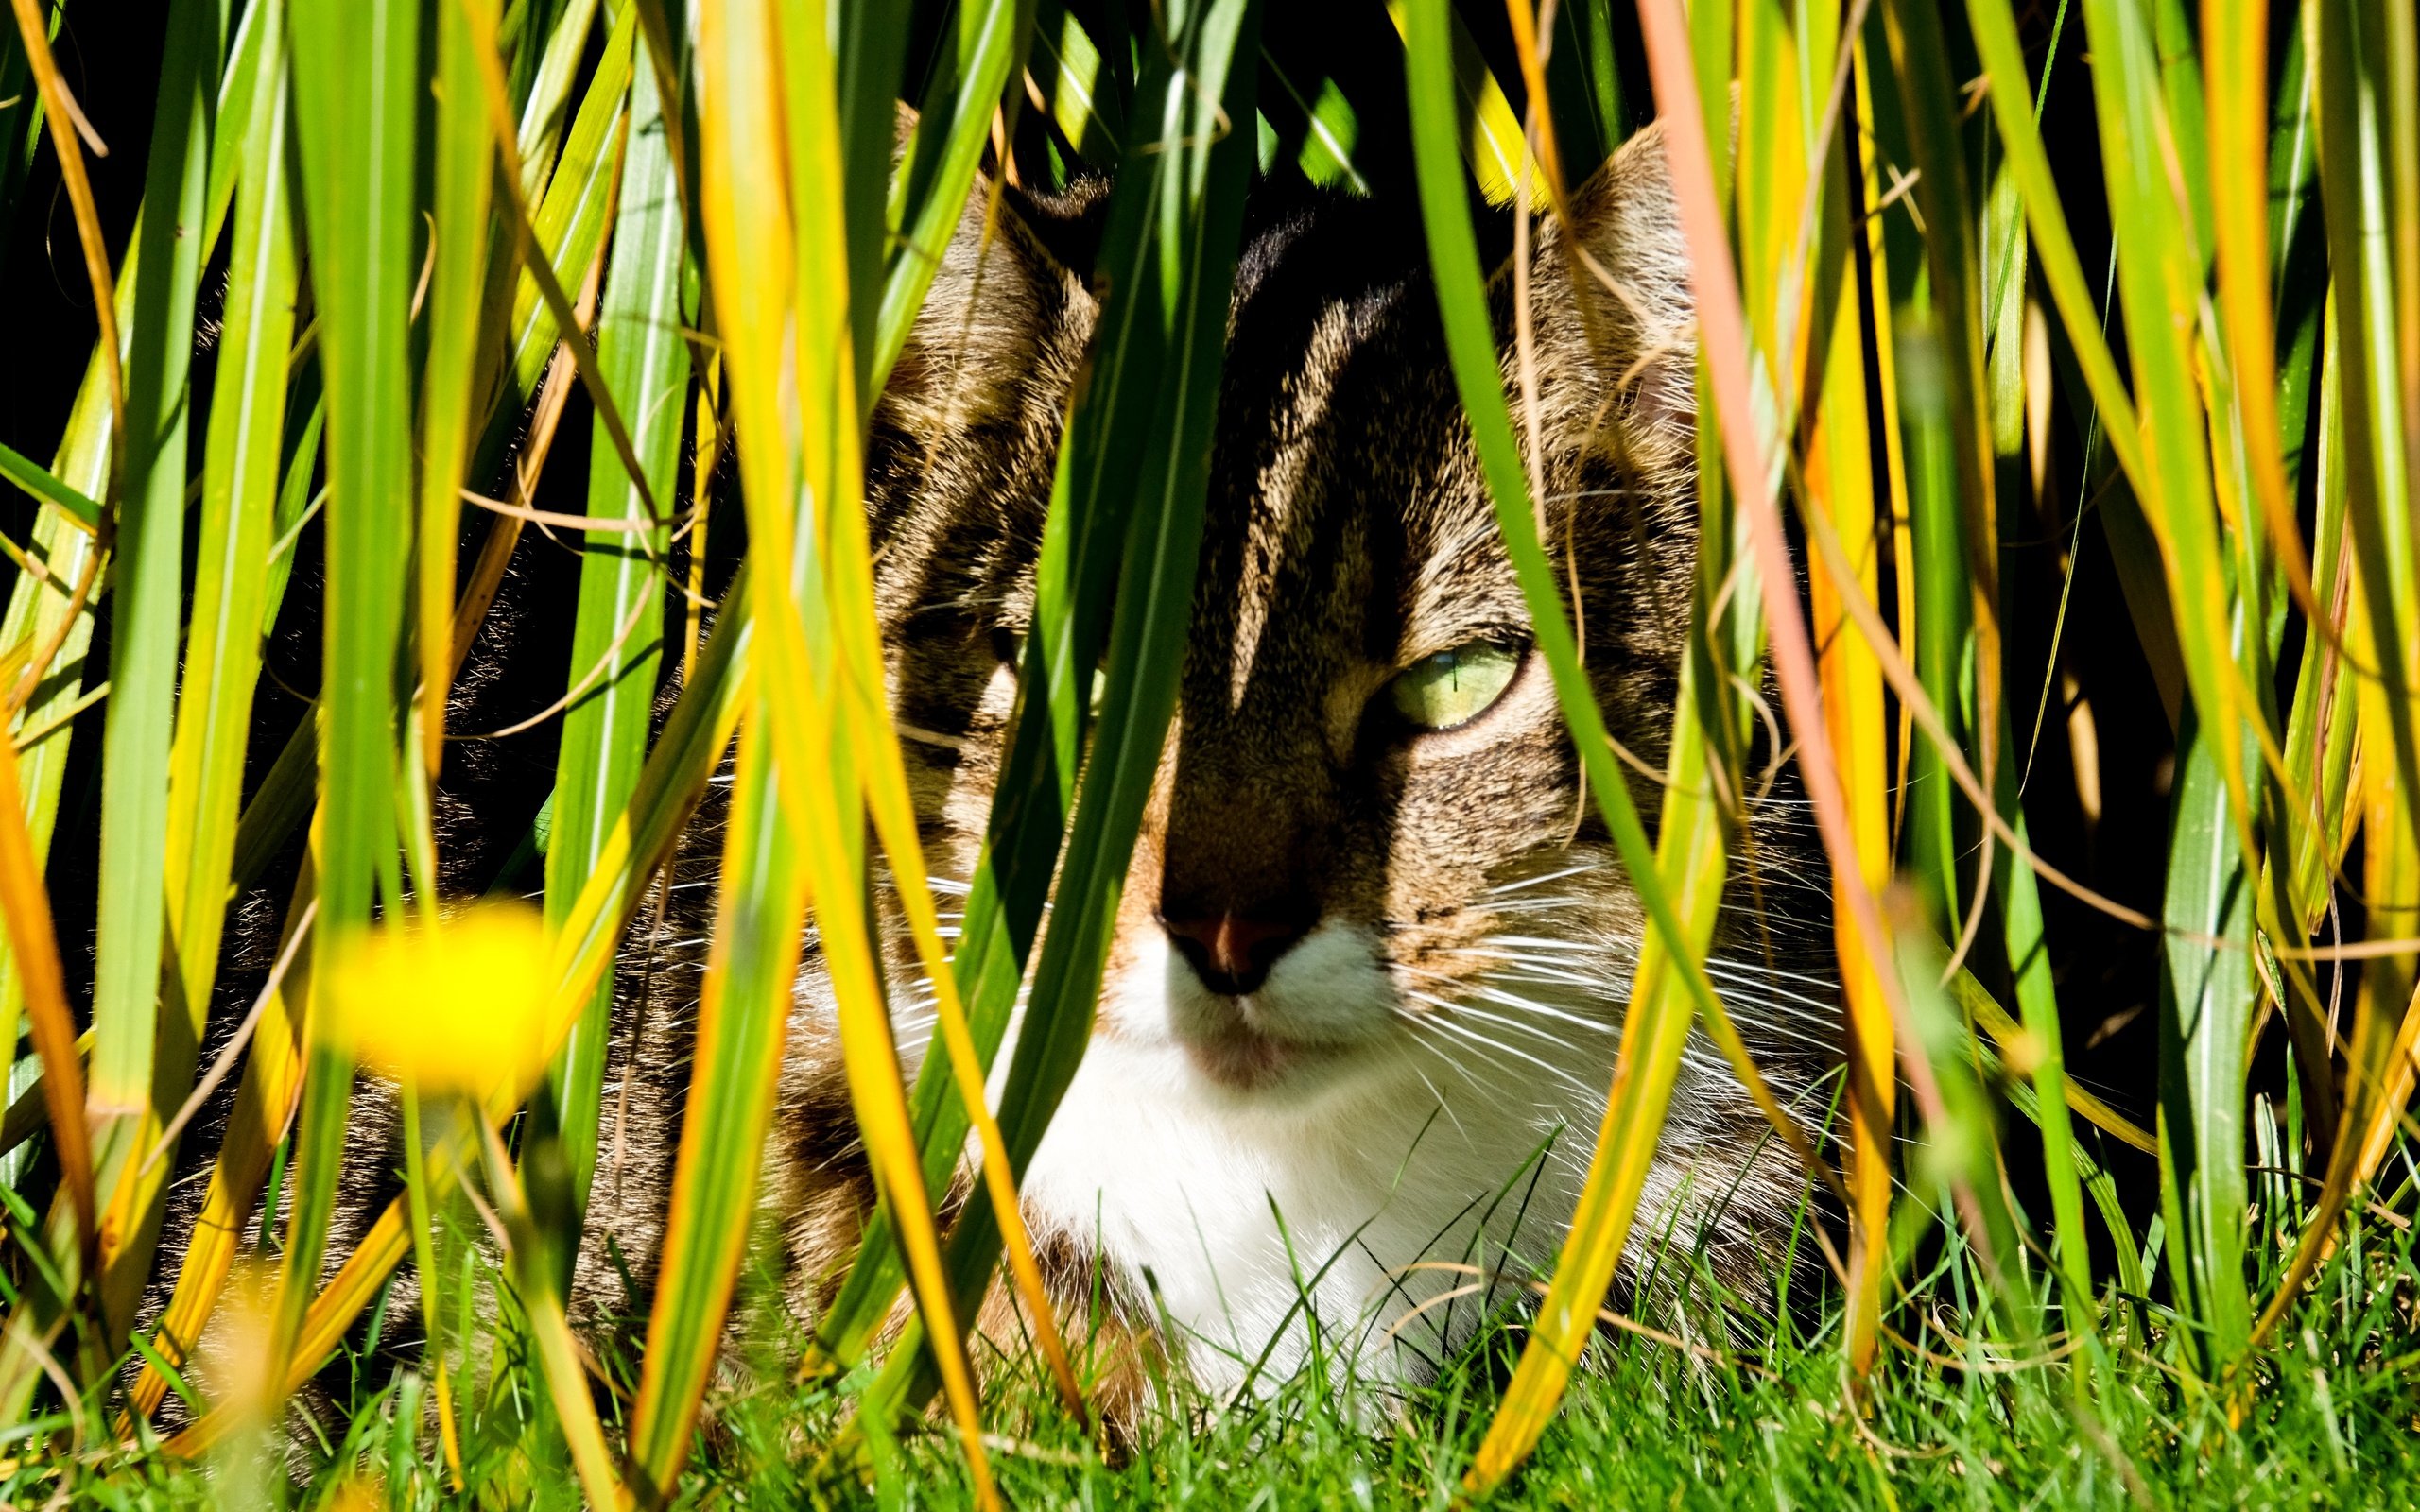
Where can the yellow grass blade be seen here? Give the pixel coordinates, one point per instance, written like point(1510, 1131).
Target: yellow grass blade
point(264, 1103)
point(34, 942)
point(1840, 484)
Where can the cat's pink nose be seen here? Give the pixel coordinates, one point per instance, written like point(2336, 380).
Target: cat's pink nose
point(1231, 953)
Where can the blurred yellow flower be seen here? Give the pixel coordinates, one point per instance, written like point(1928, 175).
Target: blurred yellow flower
point(459, 1006)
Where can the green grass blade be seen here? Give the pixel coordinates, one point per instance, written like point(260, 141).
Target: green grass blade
point(40, 484)
point(980, 54)
point(460, 232)
point(2012, 107)
point(2318, 728)
point(239, 487)
point(870, 54)
point(572, 217)
point(355, 78)
point(2207, 998)
point(2368, 178)
point(1142, 432)
point(758, 929)
point(618, 637)
point(47, 613)
point(146, 603)
point(2144, 94)
point(550, 82)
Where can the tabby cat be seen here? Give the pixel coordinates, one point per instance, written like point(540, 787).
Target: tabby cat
point(1372, 951)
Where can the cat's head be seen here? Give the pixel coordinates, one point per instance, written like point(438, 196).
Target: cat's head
point(1368, 848)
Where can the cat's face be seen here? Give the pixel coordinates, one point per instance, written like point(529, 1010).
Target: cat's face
point(1368, 848)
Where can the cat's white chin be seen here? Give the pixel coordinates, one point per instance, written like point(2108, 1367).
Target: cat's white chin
point(1322, 1020)
point(1239, 1177)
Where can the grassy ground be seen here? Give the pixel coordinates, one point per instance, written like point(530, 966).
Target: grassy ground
point(2330, 1418)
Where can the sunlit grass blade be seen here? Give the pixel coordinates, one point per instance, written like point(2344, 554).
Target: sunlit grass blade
point(2363, 128)
point(1650, 1046)
point(33, 941)
point(570, 221)
point(869, 52)
point(1840, 482)
point(548, 83)
point(1952, 480)
point(222, 651)
point(617, 636)
point(40, 484)
point(1078, 86)
point(1141, 432)
point(780, 272)
point(49, 623)
point(2235, 39)
point(460, 174)
point(355, 68)
point(263, 1109)
point(146, 603)
point(1491, 139)
point(983, 47)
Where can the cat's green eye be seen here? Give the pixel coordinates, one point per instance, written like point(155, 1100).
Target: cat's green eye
point(1454, 687)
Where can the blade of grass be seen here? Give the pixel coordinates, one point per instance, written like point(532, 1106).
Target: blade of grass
point(1952, 480)
point(354, 65)
point(567, 1384)
point(1491, 141)
point(146, 600)
point(571, 219)
point(2236, 41)
point(549, 91)
point(263, 1111)
point(979, 56)
point(1839, 483)
point(52, 617)
point(40, 484)
point(619, 623)
point(2362, 130)
point(1141, 432)
point(780, 271)
point(222, 653)
point(33, 941)
point(460, 232)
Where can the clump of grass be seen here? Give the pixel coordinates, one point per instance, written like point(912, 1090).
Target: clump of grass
point(2071, 353)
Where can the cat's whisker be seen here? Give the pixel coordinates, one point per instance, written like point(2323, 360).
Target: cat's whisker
point(1504, 888)
point(1499, 996)
point(1471, 1035)
point(1819, 980)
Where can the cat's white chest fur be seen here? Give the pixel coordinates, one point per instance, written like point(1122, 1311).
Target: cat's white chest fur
point(1236, 1207)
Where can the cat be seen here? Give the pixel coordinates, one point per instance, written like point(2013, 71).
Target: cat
point(1373, 948)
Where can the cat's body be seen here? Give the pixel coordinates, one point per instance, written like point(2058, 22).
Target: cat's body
point(1368, 976)
point(1366, 983)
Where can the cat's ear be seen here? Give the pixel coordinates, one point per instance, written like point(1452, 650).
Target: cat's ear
point(1006, 302)
point(1614, 319)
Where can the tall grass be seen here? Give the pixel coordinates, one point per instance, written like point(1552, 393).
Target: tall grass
point(2139, 284)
